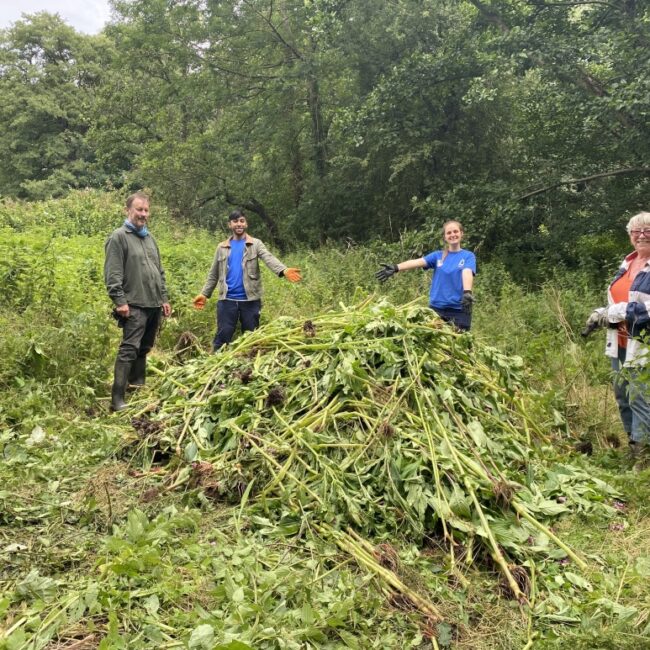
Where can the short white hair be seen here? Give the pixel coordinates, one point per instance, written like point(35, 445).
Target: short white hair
point(641, 219)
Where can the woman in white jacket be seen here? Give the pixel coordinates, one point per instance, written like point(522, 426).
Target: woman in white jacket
point(627, 318)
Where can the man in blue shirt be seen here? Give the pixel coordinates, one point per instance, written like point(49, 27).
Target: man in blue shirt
point(235, 273)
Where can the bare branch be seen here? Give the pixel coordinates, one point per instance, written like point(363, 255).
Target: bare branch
point(584, 179)
point(279, 36)
point(251, 204)
point(571, 4)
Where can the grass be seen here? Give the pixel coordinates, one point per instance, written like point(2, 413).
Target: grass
point(99, 542)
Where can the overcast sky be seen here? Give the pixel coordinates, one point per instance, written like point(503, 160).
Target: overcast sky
point(87, 16)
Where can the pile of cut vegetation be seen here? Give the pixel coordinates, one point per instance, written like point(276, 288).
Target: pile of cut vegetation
point(375, 423)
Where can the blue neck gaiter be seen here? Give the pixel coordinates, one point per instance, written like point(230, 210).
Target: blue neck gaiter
point(143, 232)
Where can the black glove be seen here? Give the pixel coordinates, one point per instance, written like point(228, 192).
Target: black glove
point(468, 301)
point(388, 271)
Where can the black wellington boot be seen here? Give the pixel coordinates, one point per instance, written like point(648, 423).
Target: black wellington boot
point(120, 381)
point(138, 372)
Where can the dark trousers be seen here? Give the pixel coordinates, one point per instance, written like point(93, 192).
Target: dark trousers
point(139, 332)
point(247, 312)
point(457, 317)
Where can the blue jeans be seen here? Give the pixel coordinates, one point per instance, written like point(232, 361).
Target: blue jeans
point(229, 312)
point(631, 395)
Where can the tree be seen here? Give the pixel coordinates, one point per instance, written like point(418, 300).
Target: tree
point(581, 122)
point(47, 72)
point(348, 118)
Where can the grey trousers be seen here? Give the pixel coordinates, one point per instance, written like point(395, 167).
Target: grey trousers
point(139, 333)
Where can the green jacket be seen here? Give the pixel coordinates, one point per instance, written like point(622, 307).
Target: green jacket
point(254, 252)
point(132, 270)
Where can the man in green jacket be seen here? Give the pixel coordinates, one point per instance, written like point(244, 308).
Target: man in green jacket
point(235, 273)
point(135, 281)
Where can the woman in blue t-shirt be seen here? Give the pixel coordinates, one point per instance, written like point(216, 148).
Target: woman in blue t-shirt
point(454, 268)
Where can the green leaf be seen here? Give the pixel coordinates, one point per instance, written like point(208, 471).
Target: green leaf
point(202, 637)
point(153, 634)
point(445, 635)
point(349, 639)
point(90, 597)
point(642, 566)
point(441, 507)
point(36, 586)
point(623, 612)
point(16, 641)
point(547, 507)
point(191, 451)
point(137, 522)
point(307, 614)
point(475, 429)
point(152, 604)
point(578, 581)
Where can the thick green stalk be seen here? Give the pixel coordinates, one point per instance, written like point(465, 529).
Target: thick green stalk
point(274, 462)
point(521, 510)
point(496, 552)
point(349, 544)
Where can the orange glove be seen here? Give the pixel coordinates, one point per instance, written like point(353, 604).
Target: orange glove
point(293, 275)
point(199, 301)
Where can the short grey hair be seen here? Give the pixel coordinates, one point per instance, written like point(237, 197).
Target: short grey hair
point(641, 219)
point(137, 195)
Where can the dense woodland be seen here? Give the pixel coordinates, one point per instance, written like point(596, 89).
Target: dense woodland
point(348, 119)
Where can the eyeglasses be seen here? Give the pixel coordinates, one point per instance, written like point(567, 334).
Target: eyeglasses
point(645, 232)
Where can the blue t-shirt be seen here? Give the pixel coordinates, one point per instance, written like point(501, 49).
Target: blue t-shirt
point(235, 275)
point(447, 284)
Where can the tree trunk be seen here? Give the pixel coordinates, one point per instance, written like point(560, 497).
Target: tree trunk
point(319, 135)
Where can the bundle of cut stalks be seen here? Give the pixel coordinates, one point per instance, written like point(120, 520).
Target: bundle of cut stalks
point(377, 421)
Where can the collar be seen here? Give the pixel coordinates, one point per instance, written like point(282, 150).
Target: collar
point(631, 257)
point(226, 242)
